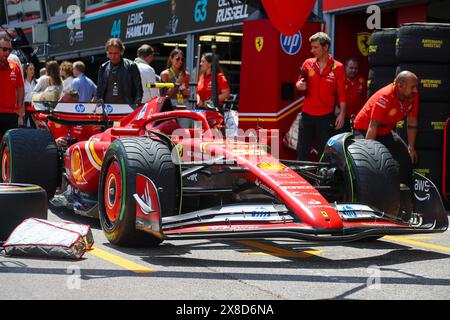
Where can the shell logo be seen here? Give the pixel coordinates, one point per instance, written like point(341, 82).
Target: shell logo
point(76, 166)
point(393, 112)
point(271, 166)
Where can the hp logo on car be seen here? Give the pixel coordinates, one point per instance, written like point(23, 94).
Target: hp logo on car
point(291, 44)
point(108, 109)
point(80, 108)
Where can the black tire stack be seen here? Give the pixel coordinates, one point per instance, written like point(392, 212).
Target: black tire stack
point(382, 59)
point(424, 49)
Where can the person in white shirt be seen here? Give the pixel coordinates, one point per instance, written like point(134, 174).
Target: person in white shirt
point(66, 70)
point(29, 84)
point(145, 56)
point(29, 80)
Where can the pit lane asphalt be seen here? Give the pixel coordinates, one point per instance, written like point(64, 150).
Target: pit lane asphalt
point(407, 267)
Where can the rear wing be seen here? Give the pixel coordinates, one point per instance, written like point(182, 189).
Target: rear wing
point(80, 113)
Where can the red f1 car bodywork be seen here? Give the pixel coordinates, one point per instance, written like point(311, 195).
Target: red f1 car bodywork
point(148, 179)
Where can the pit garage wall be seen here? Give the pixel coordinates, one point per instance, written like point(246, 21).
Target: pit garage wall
point(267, 97)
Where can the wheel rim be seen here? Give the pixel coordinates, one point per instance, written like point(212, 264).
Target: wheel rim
point(6, 161)
point(113, 192)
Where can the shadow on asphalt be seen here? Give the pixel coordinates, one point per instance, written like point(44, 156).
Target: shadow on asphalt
point(323, 276)
point(69, 215)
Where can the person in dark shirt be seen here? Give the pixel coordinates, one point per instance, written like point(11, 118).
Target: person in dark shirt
point(119, 79)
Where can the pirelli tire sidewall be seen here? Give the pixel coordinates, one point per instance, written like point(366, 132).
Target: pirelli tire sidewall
point(382, 47)
point(33, 158)
point(424, 43)
point(434, 80)
point(430, 131)
point(20, 202)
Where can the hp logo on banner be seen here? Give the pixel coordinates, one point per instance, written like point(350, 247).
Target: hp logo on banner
point(292, 44)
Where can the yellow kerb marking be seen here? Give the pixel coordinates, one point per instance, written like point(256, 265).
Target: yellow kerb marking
point(417, 243)
point(124, 263)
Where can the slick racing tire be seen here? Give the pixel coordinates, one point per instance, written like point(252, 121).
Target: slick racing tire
point(375, 176)
point(19, 202)
point(124, 159)
point(382, 48)
point(424, 43)
point(30, 156)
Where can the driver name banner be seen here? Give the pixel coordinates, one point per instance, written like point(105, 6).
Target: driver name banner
point(143, 21)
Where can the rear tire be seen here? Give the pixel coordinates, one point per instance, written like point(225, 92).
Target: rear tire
point(376, 176)
point(125, 159)
point(30, 156)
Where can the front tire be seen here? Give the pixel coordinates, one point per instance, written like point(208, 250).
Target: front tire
point(375, 176)
point(125, 159)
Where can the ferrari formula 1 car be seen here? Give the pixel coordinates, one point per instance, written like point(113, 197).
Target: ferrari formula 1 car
point(150, 178)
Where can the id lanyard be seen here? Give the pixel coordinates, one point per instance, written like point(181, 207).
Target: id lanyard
point(180, 98)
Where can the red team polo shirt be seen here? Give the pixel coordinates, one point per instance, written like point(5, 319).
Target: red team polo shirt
point(322, 88)
point(355, 95)
point(204, 87)
point(10, 81)
point(385, 107)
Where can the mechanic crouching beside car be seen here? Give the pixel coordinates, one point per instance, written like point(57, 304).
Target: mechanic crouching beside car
point(119, 79)
point(380, 115)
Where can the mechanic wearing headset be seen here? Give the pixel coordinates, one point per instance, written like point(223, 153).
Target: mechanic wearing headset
point(380, 115)
point(323, 79)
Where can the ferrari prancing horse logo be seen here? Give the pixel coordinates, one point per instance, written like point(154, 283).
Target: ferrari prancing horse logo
point(259, 43)
point(363, 43)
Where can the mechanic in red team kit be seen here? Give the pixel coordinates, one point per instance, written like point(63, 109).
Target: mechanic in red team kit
point(381, 113)
point(323, 79)
point(11, 90)
point(355, 92)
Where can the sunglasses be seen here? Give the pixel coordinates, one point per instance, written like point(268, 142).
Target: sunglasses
point(179, 59)
point(6, 49)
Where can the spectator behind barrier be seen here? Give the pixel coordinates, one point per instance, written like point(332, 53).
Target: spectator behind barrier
point(85, 86)
point(176, 73)
point(66, 71)
point(144, 58)
point(50, 86)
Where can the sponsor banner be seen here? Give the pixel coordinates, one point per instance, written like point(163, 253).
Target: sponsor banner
point(146, 20)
